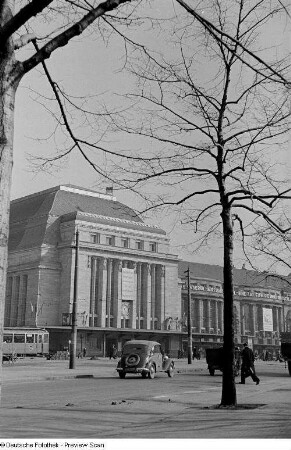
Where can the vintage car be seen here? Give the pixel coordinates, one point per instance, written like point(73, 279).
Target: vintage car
point(145, 358)
point(214, 360)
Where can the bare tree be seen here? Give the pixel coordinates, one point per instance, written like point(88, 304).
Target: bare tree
point(215, 126)
point(59, 21)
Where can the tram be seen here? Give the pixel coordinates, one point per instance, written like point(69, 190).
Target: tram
point(21, 341)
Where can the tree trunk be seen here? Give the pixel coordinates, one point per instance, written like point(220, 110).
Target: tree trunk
point(7, 97)
point(228, 397)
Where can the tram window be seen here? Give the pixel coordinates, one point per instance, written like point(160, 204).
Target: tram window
point(40, 338)
point(29, 338)
point(19, 338)
point(45, 338)
point(8, 338)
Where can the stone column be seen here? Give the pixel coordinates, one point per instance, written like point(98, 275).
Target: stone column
point(153, 295)
point(200, 315)
point(208, 321)
point(116, 282)
point(162, 296)
point(133, 312)
point(138, 293)
point(148, 296)
point(220, 316)
point(108, 292)
point(277, 319)
point(242, 319)
point(119, 301)
point(280, 320)
point(215, 317)
point(93, 290)
point(102, 293)
point(253, 324)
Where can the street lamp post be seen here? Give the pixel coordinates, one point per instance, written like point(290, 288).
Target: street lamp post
point(74, 309)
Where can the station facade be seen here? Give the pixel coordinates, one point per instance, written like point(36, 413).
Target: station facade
point(127, 276)
point(262, 306)
point(129, 283)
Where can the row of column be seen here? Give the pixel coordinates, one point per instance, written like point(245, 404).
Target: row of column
point(251, 318)
point(207, 316)
point(109, 308)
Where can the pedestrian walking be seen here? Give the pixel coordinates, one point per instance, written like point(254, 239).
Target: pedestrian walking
point(248, 367)
point(84, 352)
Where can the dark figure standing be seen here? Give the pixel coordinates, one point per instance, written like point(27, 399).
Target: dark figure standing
point(84, 352)
point(247, 367)
point(113, 352)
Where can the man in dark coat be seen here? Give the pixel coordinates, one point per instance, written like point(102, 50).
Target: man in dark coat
point(247, 367)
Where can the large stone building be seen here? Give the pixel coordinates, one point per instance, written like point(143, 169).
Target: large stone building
point(130, 285)
point(262, 306)
point(127, 277)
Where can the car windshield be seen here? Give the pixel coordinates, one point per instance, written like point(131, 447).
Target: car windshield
point(139, 348)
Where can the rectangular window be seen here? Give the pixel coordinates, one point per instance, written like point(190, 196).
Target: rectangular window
point(95, 238)
point(153, 246)
point(19, 338)
point(139, 245)
point(110, 240)
point(8, 338)
point(125, 242)
point(124, 323)
point(29, 338)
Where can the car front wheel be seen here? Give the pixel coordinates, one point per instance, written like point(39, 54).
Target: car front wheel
point(152, 372)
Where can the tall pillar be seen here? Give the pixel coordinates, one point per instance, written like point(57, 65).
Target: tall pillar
point(93, 290)
point(200, 315)
point(220, 316)
point(138, 294)
point(103, 293)
point(116, 282)
point(119, 302)
point(153, 295)
point(133, 313)
point(108, 292)
point(216, 317)
point(148, 297)
point(162, 296)
point(280, 320)
point(277, 319)
point(252, 317)
point(208, 321)
point(242, 319)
